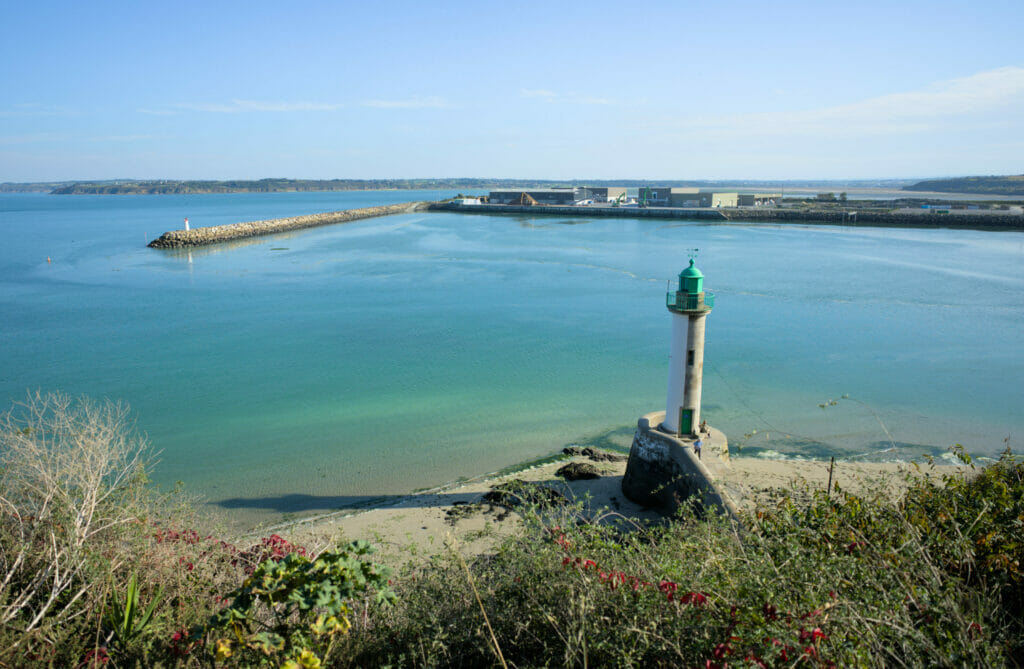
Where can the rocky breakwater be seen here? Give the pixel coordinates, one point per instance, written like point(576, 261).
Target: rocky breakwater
point(176, 239)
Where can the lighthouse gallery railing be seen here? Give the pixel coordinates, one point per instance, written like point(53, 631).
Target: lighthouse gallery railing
point(688, 302)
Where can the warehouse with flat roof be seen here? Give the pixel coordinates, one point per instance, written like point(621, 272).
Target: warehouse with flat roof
point(534, 196)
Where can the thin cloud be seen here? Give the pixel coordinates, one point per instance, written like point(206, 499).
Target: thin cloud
point(121, 138)
point(241, 106)
point(588, 100)
point(35, 109)
point(254, 105)
point(571, 98)
point(48, 137)
point(411, 103)
point(33, 138)
point(929, 108)
point(537, 93)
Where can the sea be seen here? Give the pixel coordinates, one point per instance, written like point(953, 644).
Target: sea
point(337, 367)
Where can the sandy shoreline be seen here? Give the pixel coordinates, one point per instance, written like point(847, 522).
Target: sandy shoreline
point(425, 524)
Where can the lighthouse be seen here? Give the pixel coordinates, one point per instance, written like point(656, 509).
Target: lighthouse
point(689, 306)
point(665, 465)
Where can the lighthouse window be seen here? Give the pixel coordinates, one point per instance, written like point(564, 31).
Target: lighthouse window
point(689, 358)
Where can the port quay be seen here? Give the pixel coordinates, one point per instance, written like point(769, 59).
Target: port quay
point(672, 203)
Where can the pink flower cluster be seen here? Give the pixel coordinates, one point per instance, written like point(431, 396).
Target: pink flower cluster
point(616, 578)
point(97, 657)
point(808, 638)
point(182, 643)
point(273, 547)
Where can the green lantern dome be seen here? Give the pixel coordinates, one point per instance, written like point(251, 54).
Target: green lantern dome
point(691, 271)
point(690, 298)
point(691, 280)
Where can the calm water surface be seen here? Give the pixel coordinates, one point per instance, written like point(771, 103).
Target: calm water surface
point(308, 371)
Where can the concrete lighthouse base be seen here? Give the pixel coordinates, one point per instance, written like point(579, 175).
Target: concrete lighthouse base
point(664, 470)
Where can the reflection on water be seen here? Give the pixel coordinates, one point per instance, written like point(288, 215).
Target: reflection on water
point(231, 245)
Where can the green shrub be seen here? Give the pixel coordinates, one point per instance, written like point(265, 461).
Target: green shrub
point(290, 611)
point(807, 580)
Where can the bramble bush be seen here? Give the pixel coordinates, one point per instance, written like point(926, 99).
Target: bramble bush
point(809, 579)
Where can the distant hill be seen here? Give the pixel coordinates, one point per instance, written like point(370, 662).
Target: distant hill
point(173, 186)
point(1008, 185)
point(245, 186)
point(32, 187)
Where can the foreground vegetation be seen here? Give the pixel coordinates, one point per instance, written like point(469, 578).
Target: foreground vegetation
point(96, 569)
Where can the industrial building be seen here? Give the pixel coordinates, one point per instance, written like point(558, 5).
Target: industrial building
point(744, 199)
point(534, 196)
point(600, 194)
point(656, 196)
point(689, 197)
point(647, 196)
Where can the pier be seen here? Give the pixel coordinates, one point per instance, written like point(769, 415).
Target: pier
point(176, 239)
point(975, 220)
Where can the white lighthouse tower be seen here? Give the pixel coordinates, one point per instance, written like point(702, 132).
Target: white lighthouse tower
point(689, 307)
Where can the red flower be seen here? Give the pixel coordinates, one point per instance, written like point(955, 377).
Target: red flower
point(695, 598)
point(180, 643)
point(97, 657)
point(812, 635)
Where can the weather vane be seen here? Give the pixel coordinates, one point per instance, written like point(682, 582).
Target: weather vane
point(692, 253)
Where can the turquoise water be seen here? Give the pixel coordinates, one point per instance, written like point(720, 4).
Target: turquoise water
point(309, 371)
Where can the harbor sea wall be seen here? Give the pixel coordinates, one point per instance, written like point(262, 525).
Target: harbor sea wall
point(973, 221)
point(570, 210)
point(176, 239)
point(665, 470)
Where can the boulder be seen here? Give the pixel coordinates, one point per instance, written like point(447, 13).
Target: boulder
point(576, 471)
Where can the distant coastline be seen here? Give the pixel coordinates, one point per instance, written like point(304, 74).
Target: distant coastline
point(1009, 185)
point(176, 187)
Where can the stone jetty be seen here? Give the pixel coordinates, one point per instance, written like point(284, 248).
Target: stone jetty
point(176, 239)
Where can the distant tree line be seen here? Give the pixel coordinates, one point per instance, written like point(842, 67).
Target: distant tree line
point(991, 185)
point(274, 185)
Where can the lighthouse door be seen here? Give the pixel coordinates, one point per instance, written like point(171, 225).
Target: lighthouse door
point(685, 421)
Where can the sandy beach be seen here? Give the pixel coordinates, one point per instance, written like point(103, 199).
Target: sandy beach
point(426, 524)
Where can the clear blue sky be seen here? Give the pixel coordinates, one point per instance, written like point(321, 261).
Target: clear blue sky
point(654, 90)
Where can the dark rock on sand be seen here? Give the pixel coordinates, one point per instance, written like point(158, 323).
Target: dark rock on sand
point(518, 492)
point(594, 454)
point(577, 471)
